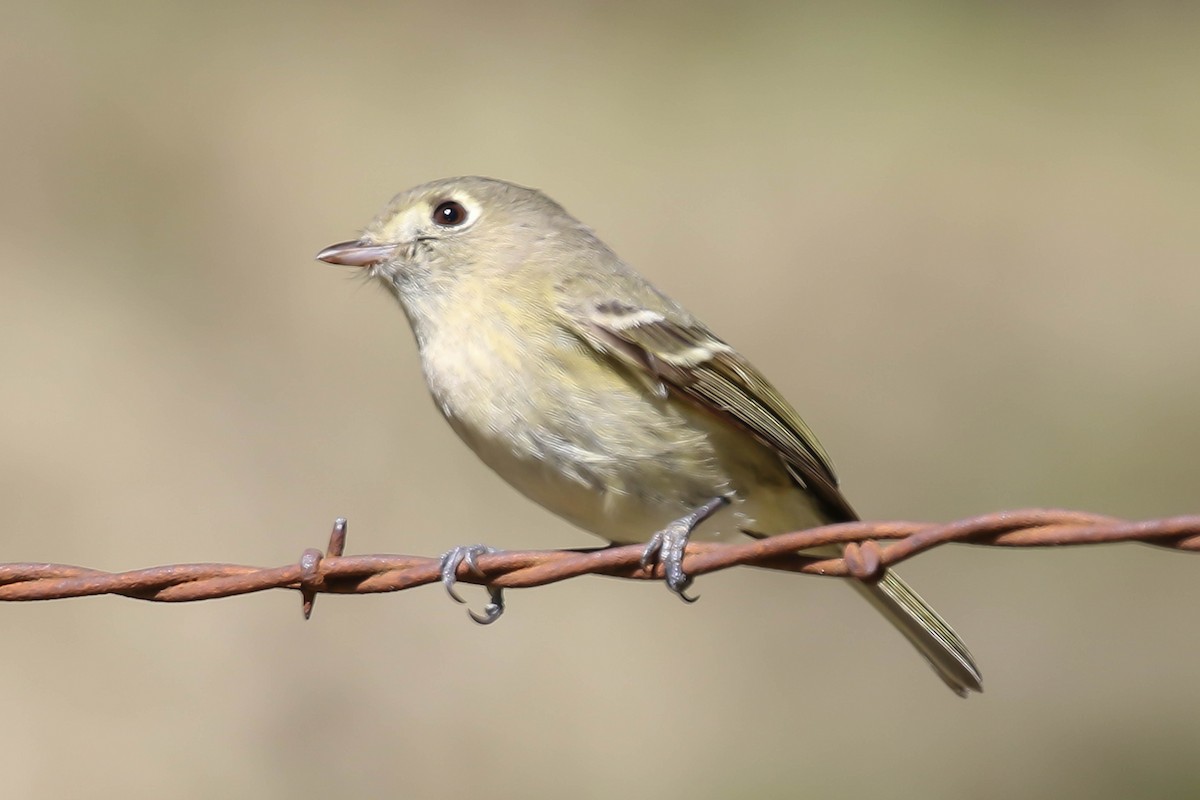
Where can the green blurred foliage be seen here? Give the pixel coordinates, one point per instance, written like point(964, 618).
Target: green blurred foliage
point(962, 237)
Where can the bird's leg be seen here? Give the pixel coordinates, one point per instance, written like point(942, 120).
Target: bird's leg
point(452, 559)
point(666, 547)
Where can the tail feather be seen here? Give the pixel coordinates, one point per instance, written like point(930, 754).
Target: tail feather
point(928, 632)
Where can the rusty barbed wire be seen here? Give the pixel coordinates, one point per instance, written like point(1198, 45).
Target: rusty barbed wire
point(332, 572)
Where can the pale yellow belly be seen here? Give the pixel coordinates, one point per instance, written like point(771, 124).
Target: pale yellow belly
point(605, 486)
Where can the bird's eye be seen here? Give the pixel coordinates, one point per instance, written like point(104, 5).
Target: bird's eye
point(450, 214)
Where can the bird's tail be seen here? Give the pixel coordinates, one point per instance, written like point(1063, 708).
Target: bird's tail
point(928, 632)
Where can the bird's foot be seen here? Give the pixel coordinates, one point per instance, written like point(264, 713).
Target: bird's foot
point(466, 554)
point(667, 546)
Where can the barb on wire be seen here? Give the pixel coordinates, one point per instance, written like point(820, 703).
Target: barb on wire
point(330, 571)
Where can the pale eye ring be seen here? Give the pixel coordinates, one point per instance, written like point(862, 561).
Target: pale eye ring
point(449, 214)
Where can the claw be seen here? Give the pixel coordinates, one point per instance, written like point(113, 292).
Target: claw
point(467, 554)
point(493, 610)
point(666, 547)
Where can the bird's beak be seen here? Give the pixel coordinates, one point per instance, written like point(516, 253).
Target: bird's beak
point(357, 253)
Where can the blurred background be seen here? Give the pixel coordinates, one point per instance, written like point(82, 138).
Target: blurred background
point(962, 237)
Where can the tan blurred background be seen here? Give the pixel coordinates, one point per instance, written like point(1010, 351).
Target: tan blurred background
point(962, 237)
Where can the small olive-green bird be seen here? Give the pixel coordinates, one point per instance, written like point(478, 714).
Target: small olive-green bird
point(599, 397)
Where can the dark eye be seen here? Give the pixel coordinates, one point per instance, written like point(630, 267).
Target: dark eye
point(450, 214)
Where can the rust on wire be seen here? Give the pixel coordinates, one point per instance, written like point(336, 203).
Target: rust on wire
point(331, 572)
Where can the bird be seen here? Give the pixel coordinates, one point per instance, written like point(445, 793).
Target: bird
point(602, 399)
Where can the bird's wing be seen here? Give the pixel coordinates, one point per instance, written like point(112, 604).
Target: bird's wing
point(679, 354)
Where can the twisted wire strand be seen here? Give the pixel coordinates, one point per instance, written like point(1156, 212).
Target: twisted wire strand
point(330, 571)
